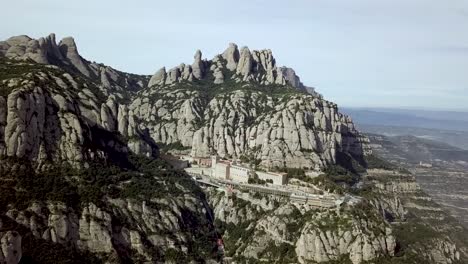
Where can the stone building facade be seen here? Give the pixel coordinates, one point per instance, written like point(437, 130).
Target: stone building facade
point(232, 171)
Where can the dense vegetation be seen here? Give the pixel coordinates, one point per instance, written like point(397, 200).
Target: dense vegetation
point(172, 146)
point(30, 70)
point(375, 162)
point(11, 69)
point(211, 90)
point(333, 179)
point(142, 179)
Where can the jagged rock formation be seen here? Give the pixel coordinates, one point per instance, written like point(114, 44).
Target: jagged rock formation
point(306, 235)
point(60, 110)
point(231, 55)
point(317, 245)
point(158, 78)
point(65, 54)
point(256, 66)
point(67, 111)
point(116, 231)
point(291, 77)
point(287, 127)
point(295, 129)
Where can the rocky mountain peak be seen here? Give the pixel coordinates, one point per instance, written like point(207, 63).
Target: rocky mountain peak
point(65, 54)
point(52, 50)
point(240, 65)
point(197, 66)
point(244, 65)
point(231, 55)
point(198, 55)
point(69, 49)
point(158, 77)
point(69, 43)
point(18, 40)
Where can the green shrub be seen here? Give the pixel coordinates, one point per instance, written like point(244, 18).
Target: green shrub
point(172, 146)
point(375, 162)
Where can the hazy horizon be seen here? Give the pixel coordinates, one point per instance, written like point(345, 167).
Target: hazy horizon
point(409, 108)
point(359, 53)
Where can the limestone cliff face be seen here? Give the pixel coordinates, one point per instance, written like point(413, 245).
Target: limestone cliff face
point(297, 130)
point(3, 117)
point(50, 115)
point(360, 243)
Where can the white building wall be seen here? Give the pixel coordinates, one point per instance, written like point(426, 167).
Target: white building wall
point(221, 171)
point(239, 174)
point(201, 171)
point(278, 179)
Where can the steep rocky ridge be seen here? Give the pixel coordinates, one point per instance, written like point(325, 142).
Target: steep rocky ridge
point(244, 65)
point(65, 55)
point(238, 103)
point(76, 180)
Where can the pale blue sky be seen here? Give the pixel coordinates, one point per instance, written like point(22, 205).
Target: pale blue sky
point(392, 53)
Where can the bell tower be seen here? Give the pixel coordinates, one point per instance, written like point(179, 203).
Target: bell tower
point(214, 160)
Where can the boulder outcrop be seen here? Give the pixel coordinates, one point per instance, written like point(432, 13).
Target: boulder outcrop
point(10, 247)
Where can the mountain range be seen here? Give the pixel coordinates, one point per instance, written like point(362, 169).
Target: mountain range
point(238, 102)
point(440, 120)
point(449, 127)
point(83, 180)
